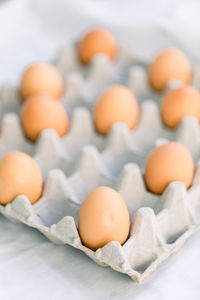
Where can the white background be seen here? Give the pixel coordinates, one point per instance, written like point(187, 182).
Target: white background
point(30, 266)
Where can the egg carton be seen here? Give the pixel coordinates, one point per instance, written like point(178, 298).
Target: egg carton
point(82, 160)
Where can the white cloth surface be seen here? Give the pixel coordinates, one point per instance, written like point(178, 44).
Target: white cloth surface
point(31, 267)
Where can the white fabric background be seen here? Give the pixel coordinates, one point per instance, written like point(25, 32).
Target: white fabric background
point(30, 266)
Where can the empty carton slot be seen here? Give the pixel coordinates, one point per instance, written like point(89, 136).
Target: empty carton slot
point(51, 210)
point(172, 239)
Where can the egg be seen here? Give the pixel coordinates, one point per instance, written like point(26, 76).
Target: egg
point(19, 175)
point(169, 64)
point(167, 163)
point(178, 103)
point(42, 112)
point(116, 104)
point(95, 42)
point(103, 217)
point(41, 77)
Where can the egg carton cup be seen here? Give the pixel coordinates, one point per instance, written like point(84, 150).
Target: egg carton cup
point(82, 160)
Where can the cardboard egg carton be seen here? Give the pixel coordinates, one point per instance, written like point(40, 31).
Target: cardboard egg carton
point(82, 160)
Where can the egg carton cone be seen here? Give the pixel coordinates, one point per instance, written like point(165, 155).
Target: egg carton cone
point(75, 164)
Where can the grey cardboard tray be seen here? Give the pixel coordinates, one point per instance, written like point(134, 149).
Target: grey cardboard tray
point(82, 160)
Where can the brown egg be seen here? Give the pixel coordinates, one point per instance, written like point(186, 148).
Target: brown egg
point(116, 104)
point(167, 163)
point(42, 112)
point(103, 217)
point(178, 103)
point(169, 64)
point(95, 42)
point(39, 78)
point(19, 175)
